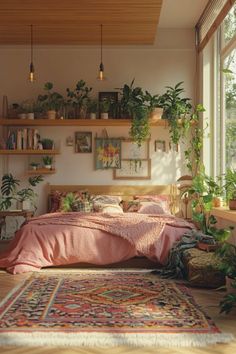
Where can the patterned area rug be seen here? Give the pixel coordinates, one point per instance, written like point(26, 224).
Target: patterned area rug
point(104, 309)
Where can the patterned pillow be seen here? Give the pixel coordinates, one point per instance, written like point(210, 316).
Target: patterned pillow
point(55, 201)
point(151, 208)
point(130, 206)
point(72, 201)
point(162, 199)
point(100, 200)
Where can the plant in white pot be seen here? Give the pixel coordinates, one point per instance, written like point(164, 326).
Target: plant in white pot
point(34, 165)
point(92, 108)
point(25, 197)
point(47, 161)
point(104, 107)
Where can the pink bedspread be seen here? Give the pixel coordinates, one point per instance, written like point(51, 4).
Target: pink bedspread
point(99, 239)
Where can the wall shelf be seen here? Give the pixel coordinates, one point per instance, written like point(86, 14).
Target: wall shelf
point(29, 152)
point(74, 122)
point(41, 171)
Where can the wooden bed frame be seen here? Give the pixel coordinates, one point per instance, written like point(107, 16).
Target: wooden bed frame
point(125, 191)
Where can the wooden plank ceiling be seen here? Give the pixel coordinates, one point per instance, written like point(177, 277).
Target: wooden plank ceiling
point(72, 22)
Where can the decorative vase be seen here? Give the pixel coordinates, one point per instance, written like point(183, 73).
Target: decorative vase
point(4, 107)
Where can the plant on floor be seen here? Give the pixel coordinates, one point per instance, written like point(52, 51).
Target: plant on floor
point(9, 192)
point(227, 254)
point(230, 187)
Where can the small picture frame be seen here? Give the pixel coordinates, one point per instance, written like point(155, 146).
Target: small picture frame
point(83, 142)
point(107, 153)
point(112, 97)
point(69, 141)
point(160, 145)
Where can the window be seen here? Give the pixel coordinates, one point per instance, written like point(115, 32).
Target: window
point(226, 132)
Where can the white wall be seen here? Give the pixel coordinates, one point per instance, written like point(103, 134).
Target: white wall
point(170, 60)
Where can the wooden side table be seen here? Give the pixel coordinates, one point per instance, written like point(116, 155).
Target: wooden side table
point(27, 214)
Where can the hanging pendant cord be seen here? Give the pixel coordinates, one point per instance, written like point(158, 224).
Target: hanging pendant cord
point(101, 43)
point(31, 31)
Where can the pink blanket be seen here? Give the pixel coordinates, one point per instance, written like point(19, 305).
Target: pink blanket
point(56, 239)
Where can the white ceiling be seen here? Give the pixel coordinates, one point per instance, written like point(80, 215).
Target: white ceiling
point(181, 13)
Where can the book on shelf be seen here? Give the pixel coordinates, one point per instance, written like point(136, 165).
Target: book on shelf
point(23, 139)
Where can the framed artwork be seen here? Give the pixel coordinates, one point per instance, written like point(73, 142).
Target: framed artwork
point(132, 169)
point(160, 145)
point(83, 142)
point(113, 98)
point(107, 153)
point(131, 150)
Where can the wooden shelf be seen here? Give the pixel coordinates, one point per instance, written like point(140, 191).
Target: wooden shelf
point(29, 152)
point(41, 171)
point(73, 122)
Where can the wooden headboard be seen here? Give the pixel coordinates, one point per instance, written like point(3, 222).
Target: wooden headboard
point(125, 191)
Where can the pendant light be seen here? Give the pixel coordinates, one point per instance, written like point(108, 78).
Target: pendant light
point(31, 73)
point(101, 76)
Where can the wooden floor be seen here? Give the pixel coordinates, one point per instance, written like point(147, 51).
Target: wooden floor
point(207, 298)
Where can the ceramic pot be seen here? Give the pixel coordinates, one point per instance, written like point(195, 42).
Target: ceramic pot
point(104, 115)
point(232, 204)
point(30, 115)
point(48, 167)
point(92, 115)
point(51, 114)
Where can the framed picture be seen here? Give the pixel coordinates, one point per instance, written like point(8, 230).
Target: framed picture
point(113, 99)
point(160, 145)
point(133, 169)
point(131, 150)
point(83, 142)
point(107, 153)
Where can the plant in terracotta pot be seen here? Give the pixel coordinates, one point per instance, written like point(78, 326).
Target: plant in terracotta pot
point(78, 98)
point(51, 101)
point(230, 188)
point(155, 103)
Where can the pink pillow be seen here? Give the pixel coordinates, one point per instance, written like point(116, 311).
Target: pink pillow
point(151, 208)
point(161, 199)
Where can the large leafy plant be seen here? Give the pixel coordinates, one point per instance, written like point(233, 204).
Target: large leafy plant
point(176, 107)
point(10, 192)
point(51, 100)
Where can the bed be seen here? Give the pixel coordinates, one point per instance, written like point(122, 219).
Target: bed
point(100, 238)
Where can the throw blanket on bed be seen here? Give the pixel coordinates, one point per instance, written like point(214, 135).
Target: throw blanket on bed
point(141, 230)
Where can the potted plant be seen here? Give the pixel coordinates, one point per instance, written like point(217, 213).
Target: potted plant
point(176, 110)
point(92, 108)
point(47, 144)
point(34, 165)
point(47, 161)
point(28, 107)
point(227, 255)
point(154, 103)
point(78, 98)
point(51, 100)
point(230, 188)
point(25, 197)
point(104, 107)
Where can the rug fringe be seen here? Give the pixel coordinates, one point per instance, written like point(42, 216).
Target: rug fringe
point(115, 339)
